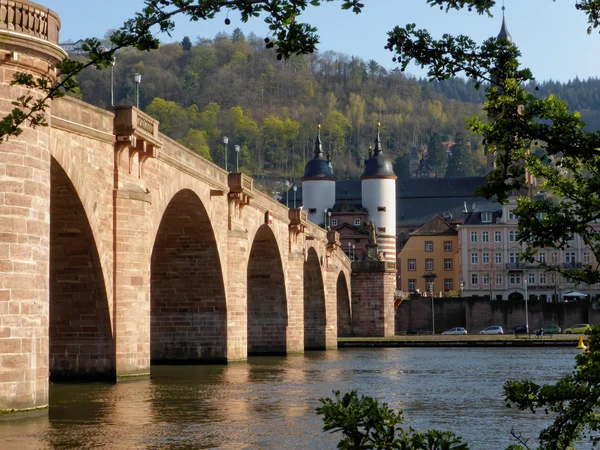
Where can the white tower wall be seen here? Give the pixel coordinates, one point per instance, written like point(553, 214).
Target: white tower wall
point(318, 195)
point(379, 198)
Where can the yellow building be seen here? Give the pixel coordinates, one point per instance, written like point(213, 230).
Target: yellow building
point(430, 250)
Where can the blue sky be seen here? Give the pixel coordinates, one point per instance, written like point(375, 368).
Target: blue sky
point(551, 34)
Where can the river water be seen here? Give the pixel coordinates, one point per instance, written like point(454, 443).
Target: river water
point(269, 402)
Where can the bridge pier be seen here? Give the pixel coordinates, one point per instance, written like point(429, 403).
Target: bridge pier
point(373, 286)
point(131, 283)
point(25, 216)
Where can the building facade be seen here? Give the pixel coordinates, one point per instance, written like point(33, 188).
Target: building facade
point(489, 264)
point(429, 260)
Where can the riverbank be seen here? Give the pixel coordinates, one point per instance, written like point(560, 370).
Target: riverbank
point(506, 340)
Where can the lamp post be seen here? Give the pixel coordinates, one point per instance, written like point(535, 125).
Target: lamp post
point(237, 158)
point(353, 252)
point(329, 217)
point(225, 142)
point(138, 79)
point(287, 193)
point(526, 311)
point(112, 81)
point(350, 250)
point(325, 218)
point(432, 308)
point(295, 188)
point(462, 285)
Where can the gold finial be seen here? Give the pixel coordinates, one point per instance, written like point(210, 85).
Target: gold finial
point(378, 124)
point(319, 126)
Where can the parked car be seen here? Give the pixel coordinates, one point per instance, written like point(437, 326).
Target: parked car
point(419, 331)
point(520, 329)
point(492, 330)
point(580, 328)
point(456, 330)
point(552, 329)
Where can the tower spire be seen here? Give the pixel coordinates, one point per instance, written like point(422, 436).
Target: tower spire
point(318, 145)
point(378, 146)
point(504, 34)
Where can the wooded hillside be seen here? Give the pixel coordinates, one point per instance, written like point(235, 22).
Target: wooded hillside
point(232, 86)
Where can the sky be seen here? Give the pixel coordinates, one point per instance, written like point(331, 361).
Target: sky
point(551, 35)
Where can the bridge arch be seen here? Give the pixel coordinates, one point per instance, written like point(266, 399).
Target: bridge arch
point(81, 342)
point(315, 321)
point(267, 311)
point(344, 309)
point(188, 310)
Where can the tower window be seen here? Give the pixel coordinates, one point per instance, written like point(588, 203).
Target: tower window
point(381, 209)
point(334, 222)
point(312, 210)
point(357, 221)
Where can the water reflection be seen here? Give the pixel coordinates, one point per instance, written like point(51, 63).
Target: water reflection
point(270, 402)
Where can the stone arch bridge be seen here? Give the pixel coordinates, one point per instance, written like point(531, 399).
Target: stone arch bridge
point(119, 248)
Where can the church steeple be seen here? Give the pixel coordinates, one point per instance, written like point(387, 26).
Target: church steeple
point(504, 34)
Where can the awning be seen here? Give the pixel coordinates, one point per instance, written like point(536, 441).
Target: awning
point(575, 294)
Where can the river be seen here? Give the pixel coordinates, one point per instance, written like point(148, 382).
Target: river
point(269, 402)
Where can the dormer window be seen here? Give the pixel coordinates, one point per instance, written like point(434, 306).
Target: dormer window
point(511, 216)
point(357, 221)
point(486, 217)
point(334, 222)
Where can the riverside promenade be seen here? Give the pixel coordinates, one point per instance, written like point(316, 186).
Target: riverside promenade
point(476, 340)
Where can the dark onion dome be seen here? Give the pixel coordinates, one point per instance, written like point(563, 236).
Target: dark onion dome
point(504, 34)
point(378, 166)
point(319, 167)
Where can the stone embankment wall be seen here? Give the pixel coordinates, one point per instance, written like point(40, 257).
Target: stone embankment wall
point(475, 314)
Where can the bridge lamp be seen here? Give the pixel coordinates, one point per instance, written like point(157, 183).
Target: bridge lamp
point(325, 218)
point(287, 193)
point(112, 80)
point(237, 158)
point(329, 217)
point(431, 290)
point(462, 286)
point(295, 188)
point(526, 311)
point(353, 252)
point(138, 79)
point(225, 142)
point(350, 250)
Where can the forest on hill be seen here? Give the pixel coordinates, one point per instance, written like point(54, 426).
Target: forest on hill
point(233, 86)
point(580, 95)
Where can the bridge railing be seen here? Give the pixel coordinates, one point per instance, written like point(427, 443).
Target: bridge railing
point(373, 266)
point(29, 18)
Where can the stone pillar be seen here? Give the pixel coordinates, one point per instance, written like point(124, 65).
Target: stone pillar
point(29, 38)
point(295, 302)
point(331, 273)
point(137, 142)
point(373, 287)
point(132, 282)
point(237, 295)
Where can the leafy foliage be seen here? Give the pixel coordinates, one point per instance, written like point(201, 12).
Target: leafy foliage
point(574, 400)
point(367, 425)
point(532, 138)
